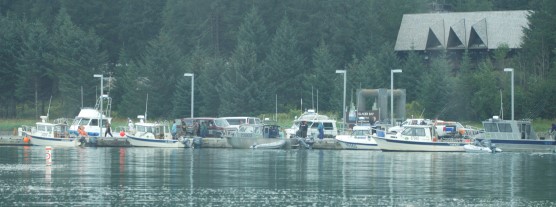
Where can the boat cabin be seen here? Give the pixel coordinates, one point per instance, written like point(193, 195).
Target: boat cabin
point(89, 118)
point(52, 130)
point(152, 130)
point(496, 128)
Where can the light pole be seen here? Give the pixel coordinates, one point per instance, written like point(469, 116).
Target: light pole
point(192, 90)
point(100, 99)
point(511, 70)
point(392, 93)
point(344, 101)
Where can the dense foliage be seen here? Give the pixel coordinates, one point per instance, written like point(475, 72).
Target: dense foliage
point(249, 55)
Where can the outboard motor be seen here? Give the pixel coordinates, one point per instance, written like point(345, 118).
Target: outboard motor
point(197, 142)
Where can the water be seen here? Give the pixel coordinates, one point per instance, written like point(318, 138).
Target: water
point(229, 177)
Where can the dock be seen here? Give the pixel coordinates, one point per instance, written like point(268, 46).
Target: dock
point(208, 142)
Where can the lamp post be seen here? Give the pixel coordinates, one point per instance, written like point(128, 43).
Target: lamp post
point(100, 99)
point(392, 93)
point(192, 90)
point(344, 101)
point(511, 70)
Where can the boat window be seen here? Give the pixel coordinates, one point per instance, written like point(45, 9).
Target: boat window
point(491, 127)
point(419, 132)
point(41, 128)
point(328, 126)
point(76, 122)
point(257, 121)
point(505, 127)
point(408, 132)
point(94, 122)
point(84, 122)
point(140, 128)
point(359, 132)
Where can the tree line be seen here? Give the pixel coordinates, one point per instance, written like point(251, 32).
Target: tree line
point(248, 55)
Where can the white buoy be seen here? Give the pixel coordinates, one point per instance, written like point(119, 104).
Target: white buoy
point(48, 155)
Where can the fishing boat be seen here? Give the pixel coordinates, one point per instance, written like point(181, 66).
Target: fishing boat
point(360, 139)
point(90, 118)
point(52, 134)
point(256, 136)
point(154, 135)
point(419, 138)
point(515, 136)
point(312, 120)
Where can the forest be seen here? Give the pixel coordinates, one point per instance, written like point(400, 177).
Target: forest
point(246, 56)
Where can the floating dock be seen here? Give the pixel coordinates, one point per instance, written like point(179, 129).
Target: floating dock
point(327, 143)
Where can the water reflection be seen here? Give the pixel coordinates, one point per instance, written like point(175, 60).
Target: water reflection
point(146, 176)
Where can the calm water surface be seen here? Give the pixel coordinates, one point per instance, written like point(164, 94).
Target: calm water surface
point(230, 177)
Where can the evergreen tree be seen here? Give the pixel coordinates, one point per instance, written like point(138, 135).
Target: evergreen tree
point(76, 58)
point(486, 97)
point(435, 89)
point(10, 45)
point(163, 64)
point(34, 80)
point(413, 68)
point(285, 66)
point(322, 75)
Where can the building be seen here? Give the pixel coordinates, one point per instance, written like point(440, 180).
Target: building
point(461, 30)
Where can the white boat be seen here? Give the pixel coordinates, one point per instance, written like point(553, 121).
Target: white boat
point(419, 138)
point(154, 135)
point(313, 119)
point(90, 119)
point(52, 134)
point(360, 138)
point(515, 136)
point(256, 136)
point(480, 148)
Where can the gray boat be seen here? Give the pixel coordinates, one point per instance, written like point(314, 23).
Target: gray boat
point(256, 136)
point(515, 135)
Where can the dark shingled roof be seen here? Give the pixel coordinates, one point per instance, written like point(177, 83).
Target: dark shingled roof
point(460, 30)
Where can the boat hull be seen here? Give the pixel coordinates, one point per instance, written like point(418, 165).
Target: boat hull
point(347, 142)
point(250, 142)
point(523, 145)
point(387, 144)
point(54, 142)
point(159, 143)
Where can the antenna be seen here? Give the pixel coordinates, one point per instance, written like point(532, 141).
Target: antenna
point(146, 106)
point(276, 108)
point(312, 99)
point(48, 112)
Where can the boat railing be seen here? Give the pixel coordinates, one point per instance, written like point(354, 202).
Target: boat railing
point(546, 135)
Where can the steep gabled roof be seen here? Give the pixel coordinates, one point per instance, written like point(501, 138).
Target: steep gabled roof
point(460, 30)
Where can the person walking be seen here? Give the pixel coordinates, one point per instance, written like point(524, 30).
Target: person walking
point(108, 130)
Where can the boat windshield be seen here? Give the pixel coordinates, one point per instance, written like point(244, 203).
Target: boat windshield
point(359, 132)
point(414, 131)
point(84, 122)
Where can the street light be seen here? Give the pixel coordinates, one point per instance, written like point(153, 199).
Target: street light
point(192, 89)
point(392, 93)
point(344, 102)
point(100, 99)
point(511, 70)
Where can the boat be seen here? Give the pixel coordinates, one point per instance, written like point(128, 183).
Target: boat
point(481, 147)
point(154, 135)
point(313, 119)
point(90, 118)
point(52, 134)
point(360, 138)
point(515, 136)
point(419, 138)
point(266, 135)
